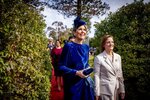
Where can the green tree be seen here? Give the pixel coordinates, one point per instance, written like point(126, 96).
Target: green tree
point(24, 60)
point(59, 27)
point(51, 32)
point(58, 31)
point(86, 8)
point(131, 30)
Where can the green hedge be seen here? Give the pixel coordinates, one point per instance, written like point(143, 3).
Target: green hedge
point(25, 66)
point(130, 26)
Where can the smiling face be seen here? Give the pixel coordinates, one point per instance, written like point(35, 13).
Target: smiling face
point(109, 44)
point(80, 33)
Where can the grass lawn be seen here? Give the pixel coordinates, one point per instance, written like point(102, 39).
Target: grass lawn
point(91, 61)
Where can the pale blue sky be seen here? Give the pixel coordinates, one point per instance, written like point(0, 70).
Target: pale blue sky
point(53, 15)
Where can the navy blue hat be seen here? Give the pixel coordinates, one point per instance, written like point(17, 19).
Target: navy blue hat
point(78, 22)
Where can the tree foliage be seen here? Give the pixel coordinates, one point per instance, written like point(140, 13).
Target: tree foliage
point(24, 61)
point(86, 8)
point(130, 27)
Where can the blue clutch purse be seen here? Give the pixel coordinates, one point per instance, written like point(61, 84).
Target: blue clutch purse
point(88, 71)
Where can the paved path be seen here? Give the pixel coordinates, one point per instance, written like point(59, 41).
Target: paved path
point(55, 94)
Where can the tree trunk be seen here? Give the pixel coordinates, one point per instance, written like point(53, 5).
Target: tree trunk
point(79, 8)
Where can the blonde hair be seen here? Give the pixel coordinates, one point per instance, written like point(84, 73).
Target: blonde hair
point(74, 29)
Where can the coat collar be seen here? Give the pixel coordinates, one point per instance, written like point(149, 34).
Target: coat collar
point(108, 61)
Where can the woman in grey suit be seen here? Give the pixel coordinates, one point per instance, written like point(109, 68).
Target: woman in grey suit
point(108, 75)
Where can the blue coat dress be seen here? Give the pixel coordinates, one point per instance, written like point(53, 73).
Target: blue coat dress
point(75, 57)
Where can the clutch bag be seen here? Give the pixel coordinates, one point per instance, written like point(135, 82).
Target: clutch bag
point(88, 71)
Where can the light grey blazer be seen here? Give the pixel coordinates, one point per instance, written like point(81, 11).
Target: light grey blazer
point(108, 75)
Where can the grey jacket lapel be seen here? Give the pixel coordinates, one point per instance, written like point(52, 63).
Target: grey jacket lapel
point(109, 62)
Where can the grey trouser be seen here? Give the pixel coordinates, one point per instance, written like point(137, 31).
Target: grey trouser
point(106, 97)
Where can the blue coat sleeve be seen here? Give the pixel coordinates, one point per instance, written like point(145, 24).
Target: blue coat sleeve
point(65, 61)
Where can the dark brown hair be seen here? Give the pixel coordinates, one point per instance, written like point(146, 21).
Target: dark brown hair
point(104, 38)
point(58, 41)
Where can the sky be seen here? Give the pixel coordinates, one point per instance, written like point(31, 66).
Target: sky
point(53, 15)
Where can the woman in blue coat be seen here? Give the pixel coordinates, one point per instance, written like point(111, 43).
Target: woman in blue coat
point(73, 63)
